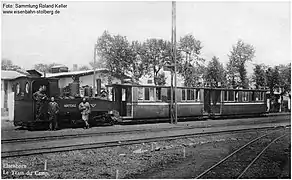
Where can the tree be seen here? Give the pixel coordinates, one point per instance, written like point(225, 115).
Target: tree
point(139, 65)
point(7, 64)
point(240, 54)
point(215, 72)
point(273, 78)
point(190, 63)
point(44, 67)
point(259, 76)
point(114, 51)
point(160, 79)
point(155, 54)
point(285, 77)
point(83, 68)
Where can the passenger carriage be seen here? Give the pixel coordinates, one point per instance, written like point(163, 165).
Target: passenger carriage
point(137, 102)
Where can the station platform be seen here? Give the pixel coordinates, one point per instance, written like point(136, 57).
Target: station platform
point(11, 132)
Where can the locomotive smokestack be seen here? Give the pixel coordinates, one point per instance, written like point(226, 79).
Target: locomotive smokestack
point(98, 86)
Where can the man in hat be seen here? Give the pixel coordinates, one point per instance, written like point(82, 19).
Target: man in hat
point(84, 107)
point(53, 111)
point(40, 97)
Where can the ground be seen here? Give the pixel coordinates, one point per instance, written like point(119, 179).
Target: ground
point(167, 159)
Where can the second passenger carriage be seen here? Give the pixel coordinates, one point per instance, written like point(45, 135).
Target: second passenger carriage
point(148, 102)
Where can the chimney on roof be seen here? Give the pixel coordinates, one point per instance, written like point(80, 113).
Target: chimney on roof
point(75, 67)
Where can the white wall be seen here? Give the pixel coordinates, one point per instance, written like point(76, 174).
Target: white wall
point(88, 80)
point(10, 100)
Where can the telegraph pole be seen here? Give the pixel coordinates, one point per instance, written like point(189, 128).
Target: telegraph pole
point(94, 74)
point(174, 57)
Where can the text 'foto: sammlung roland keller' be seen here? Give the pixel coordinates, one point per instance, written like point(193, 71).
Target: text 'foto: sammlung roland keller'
point(41, 6)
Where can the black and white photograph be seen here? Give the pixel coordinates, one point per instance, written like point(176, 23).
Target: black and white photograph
point(146, 90)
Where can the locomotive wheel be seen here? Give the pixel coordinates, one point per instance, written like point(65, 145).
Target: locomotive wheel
point(30, 126)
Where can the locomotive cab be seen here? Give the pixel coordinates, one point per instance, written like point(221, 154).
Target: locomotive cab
point(25, 105)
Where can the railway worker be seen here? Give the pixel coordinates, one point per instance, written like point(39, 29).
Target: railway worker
point(84, 107)
point(40, 97)
point(53, 111)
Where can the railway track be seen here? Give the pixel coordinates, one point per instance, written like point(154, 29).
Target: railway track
point(80, 135)
point(46, 149)
point(237, 169)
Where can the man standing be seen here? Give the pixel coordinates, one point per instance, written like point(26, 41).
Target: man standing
point(40, 97)
point(53, 111)
point(84, 107)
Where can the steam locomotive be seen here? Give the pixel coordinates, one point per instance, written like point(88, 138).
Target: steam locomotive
point(131, 103)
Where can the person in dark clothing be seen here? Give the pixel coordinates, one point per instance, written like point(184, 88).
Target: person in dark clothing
point(53, 111)
point(40, 97)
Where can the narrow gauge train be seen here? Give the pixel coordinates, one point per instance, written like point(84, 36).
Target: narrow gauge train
point(137, 102)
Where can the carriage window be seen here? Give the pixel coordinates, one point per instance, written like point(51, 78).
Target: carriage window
point(149, 94)
point(111, 94)
point(244, 96)
point(17, 88)
point(236, 96)
point(198, 95)
point(253, 96)
point(230, 95)
point(140, 93)
point(27, 87)
point(158, 93)
point(183, 94)
point(225, 95)
point(168, 94)
point(263, 96)
point(190, 94)
point(123, 94)
point(260, 96)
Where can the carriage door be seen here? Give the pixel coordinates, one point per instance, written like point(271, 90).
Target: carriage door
point(207, 101)
point(126, 99)
point(215, 101)
point(35, 87)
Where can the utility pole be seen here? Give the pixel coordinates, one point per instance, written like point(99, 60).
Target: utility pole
point(174, 57)
point(94, 74)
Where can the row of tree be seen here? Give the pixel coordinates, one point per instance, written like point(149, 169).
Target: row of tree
point(123, 57)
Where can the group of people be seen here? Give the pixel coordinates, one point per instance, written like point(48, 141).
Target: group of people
point(53, 108)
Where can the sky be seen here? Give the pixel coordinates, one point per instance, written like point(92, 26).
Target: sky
point(68, 38)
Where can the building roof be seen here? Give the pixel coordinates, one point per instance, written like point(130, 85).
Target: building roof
point(75, 73)
point(10, 75)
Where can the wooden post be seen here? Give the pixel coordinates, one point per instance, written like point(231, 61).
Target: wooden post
point(94, 73)
point(174, 57)
point(117, 174)
point(45, 167)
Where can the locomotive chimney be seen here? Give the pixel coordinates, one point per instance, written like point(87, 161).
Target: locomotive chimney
point(98, 86)
point(75, 67)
